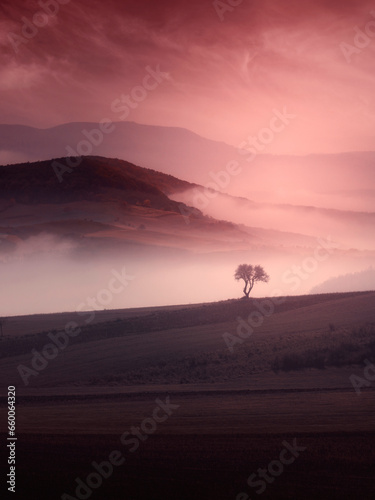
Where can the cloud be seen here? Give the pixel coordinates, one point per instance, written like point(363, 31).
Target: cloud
point(15, 77)
point(226, 77)
point(35, 246)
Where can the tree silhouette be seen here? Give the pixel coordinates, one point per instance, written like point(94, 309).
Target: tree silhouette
point(250, 275)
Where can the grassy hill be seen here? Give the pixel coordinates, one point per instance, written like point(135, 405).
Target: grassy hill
point(186, 345)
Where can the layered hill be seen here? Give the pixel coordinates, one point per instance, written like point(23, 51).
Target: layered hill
point(114, 200)
point(342, 181)
point(92, 179)
point(168, 149)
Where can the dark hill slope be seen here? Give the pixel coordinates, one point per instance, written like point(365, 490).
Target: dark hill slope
point(94, 179)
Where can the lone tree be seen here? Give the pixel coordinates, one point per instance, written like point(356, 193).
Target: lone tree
point(250, 275)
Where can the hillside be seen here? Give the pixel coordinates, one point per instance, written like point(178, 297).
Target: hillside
point(182, 153)
point(364, 280)
point(186, 345)
point(290, 381)
point(93, 179)
point(170, 150)
point(113, 202)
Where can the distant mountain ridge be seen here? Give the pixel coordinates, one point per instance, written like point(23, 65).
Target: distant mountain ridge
point(186, 155)
point(166, 149)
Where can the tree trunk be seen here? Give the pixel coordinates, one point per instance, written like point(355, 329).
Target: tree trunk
point(247, 289)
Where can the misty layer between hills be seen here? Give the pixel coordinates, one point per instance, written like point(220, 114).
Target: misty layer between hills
point(60, 241)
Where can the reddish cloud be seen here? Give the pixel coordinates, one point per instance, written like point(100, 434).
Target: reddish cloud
point(225, 76)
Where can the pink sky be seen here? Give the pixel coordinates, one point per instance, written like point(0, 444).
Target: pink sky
point(224, 78)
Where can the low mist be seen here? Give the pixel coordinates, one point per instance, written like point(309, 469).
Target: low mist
point(48, 274)
point(348, 229)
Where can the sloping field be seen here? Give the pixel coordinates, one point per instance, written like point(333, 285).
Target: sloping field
point(18, 326)
point(295, 328)
point(231, 412)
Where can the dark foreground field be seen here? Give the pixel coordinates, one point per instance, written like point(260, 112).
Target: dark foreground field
point(334, 466)
point(182, 417)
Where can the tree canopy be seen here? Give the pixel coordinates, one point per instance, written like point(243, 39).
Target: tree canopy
point(250, 275)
